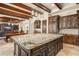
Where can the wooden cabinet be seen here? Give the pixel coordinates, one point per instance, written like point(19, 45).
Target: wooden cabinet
point(71, 39)
point(77, 40)
point(37, 26)
point(40, 51)
point(44, 26)
point(19, 51)
point(53, 24)
point(48, 49)
point(70, 21)
point(15, 49)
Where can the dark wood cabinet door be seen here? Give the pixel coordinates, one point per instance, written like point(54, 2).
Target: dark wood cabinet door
point(40, 52)
point(44, 26)
point(77, 40)
point(37, 25)
point(70, 21)
point(53, 24)
point(71, 39)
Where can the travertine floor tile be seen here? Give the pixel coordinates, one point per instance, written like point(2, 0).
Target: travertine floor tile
point(69, 50)
point(6, 49)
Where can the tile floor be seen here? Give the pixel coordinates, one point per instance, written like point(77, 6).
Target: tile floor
point(69, 50)
point(6, 49)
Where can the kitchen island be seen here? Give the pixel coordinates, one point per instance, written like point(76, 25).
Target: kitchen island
point(37, 44)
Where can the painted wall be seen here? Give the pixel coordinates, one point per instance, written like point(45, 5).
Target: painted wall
point(29, 24)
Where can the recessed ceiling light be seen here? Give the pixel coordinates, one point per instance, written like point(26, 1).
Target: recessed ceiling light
point(52, 4)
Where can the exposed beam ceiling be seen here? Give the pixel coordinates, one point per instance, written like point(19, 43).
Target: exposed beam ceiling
point(42, 7)
point(14, 9)
point(2, 15)
point(11, 13)
point(22, 6)
point(58, 5)
point(8, 18)
point(77, 3)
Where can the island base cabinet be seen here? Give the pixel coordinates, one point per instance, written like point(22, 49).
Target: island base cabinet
point(52, 53)
point(40, 51)
point(59, 45)
point(23, 53)
point(15, 49)
point(49, 49)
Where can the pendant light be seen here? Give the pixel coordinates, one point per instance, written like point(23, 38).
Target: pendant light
point(32, 12)
point(8, 23)
point(36, 14)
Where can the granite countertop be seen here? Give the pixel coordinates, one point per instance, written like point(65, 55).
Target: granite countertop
point(70, 31)
point(30, 41)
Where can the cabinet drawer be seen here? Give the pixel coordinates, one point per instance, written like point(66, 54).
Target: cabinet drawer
point(40, 52)
point(52, 53)
point(51, 49)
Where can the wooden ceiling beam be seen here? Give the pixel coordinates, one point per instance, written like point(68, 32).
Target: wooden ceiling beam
point(42, 7)
point(25, 7)
point(77, 3)
point(22, 6)
point(58, 5)
point(8, 19)
point(14, 9)
point(10, 13)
